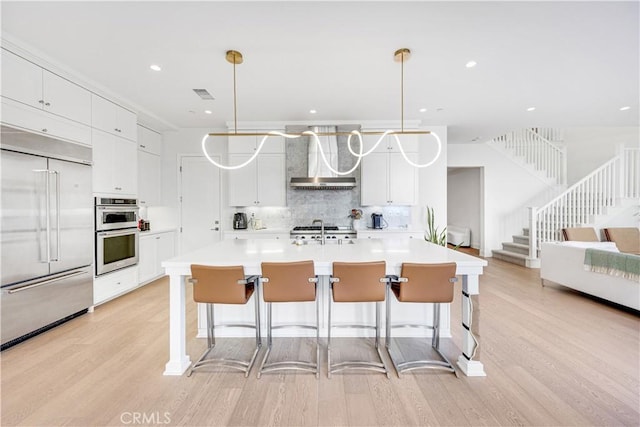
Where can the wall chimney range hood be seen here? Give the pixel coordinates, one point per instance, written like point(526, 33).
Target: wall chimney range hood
point(323, 183)
point(320, 175)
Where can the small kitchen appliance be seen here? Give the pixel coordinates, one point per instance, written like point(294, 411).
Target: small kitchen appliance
point(239, 221)
point(377, 221)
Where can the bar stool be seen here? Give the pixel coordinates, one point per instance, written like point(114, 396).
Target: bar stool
point(224, 285)
point(423, 283)
point(289, 282)
point(358, 282)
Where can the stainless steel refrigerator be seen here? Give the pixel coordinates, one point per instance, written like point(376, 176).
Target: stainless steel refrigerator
point(46, 238)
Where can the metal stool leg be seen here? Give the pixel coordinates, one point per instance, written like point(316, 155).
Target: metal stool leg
point(241, 365)
point(329, 334)
point(294, 364)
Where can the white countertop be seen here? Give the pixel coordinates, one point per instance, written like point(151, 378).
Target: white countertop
point(157, 231)
point(252, 252)
point(262, 230)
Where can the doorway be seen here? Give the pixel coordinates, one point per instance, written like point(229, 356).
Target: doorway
point(465, 202)
point(199, 203)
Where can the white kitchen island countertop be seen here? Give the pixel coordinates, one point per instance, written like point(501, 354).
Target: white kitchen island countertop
point(252, 252)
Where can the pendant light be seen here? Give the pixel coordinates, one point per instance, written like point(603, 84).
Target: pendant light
point(401, 55)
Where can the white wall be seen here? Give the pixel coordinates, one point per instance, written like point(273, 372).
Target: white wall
point(464, 201)
point(507, 187)
point(432, 181)
point(590, 147)
point(174, 144)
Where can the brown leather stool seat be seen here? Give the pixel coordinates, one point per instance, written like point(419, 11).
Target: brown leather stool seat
point(289, 282)
point(423, 283)
point(224, 285)
point(358, 282)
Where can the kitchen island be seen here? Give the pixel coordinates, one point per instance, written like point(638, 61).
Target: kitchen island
point(251, 253)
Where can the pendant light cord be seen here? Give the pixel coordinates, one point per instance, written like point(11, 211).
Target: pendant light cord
point(235, 110)
point(402, 93)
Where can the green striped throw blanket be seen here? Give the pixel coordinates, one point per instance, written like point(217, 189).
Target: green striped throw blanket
point(613, 263)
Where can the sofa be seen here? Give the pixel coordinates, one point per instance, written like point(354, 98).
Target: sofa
point(627, 239)
point(564, 263)
point(457, 235)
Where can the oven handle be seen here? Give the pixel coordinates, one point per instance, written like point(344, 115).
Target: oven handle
point(116, 233)
point(118, 208)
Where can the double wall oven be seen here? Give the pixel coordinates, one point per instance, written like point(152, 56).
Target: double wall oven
point(117, 234)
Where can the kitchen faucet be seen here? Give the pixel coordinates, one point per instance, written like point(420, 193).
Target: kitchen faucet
point(321, 229)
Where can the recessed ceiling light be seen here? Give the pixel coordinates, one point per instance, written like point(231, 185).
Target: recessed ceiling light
point(531, 108)
point(471, 64)
point(155, 67)
point(312, 111)
point(422, 110)
point(207, 111)
point(624, 108)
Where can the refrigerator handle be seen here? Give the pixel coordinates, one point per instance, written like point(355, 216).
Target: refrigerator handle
point(47, 207)
point(57, 176)
point(45, 282)
point(48, 212)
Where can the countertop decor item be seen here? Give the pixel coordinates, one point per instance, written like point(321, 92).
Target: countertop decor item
point(401, 55)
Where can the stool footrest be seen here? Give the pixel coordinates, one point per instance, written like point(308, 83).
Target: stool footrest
point(294, 325)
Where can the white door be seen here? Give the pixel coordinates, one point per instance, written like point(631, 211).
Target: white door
point(200, 203)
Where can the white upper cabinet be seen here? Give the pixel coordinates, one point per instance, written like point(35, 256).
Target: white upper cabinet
point(21, 80)
point(112, 118)
point(263, 181)
point(149, 141)
point(30, 84)
point(115, 165)
point(149, 164)
point(387, 179)
point(260, 183)
point(249, 144)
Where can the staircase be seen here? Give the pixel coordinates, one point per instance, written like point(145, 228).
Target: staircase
point(516, 251)
point(540, 151)
point(613, 185)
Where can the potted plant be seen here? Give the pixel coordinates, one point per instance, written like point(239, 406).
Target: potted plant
point(433, 235)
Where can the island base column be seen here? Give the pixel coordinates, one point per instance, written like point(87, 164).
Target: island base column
point(468, 362)
point(179, 361)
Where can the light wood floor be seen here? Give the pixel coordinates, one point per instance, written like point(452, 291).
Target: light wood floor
point(553, 357)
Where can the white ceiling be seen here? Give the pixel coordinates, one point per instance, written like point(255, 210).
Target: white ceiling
point(576, 62)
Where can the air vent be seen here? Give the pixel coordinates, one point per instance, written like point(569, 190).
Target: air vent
point(203, 93)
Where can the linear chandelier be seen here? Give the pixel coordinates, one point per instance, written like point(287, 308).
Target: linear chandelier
point(401, 55)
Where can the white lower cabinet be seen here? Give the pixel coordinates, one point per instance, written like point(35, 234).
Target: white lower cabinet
point(113, 284)
point(154, 249)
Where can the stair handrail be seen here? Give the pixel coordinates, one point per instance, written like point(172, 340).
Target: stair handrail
point(538, 150)
point(609, 183)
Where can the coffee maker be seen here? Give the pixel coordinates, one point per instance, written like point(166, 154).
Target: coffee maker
point(376, 221)
point(239, 221)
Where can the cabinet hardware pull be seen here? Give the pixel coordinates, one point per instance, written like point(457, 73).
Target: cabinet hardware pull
point(143, 146)
point(40, 101)
point(44, 130)
point(47, 104)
